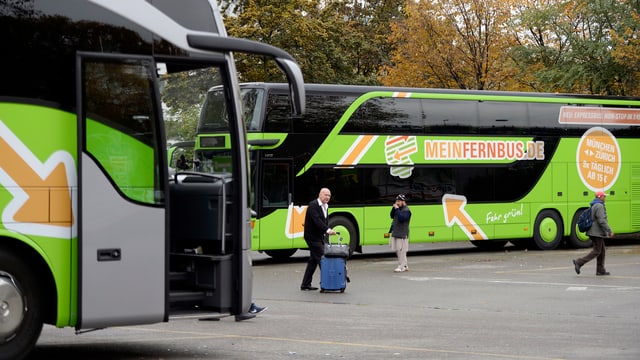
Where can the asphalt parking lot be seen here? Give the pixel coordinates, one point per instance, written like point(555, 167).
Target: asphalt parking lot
point(456, 302)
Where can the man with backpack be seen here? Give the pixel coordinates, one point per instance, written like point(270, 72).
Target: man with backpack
point(597, 233)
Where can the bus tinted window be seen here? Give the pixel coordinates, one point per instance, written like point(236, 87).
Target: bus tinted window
point(252, 108)
point(388, 115)
point(275, 184)
point(214, 116)
point(508, 118)
point(106, 102)
point(450, 116)
point(323, 112)
point(543, 119)
point(278, 116)
point(121, 130)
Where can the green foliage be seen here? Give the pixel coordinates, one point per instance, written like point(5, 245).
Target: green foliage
point(570, 46)
point(340, 42)
point(182, 95)
point(583, 46)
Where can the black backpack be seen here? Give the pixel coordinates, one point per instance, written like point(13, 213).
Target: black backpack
point(585, 220)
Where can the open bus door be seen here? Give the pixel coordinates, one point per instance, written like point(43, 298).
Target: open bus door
point(123, 255)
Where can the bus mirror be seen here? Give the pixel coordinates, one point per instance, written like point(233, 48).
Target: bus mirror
point(296, 84)
point(285, 62)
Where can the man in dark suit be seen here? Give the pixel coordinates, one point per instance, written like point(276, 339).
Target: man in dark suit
point(316, 229)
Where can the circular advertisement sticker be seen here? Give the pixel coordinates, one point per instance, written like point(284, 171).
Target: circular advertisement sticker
point(598, 159)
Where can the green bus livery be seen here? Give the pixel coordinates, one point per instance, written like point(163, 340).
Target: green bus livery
point(482, 166)
point(94, 232)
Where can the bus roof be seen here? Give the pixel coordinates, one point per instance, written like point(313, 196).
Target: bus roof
point(361, 89)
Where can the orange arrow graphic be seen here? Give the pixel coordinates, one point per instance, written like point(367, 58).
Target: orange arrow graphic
point(395, 139)
point(454, 213)
point(295, 221)
point(399, 154)
point(48, 199)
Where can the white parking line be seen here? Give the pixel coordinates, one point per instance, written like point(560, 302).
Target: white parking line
point(513, 282)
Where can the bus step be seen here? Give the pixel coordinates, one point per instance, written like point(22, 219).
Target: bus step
point(181, 277)
point(186, 297)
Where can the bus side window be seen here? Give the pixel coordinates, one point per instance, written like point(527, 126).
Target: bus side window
point(323, 113)
point(504, 118)
point(450, 116)
point(278, 117)
point(544, 120)
point(388, 115)
point(275, 180)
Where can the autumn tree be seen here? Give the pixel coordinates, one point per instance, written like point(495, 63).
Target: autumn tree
point(579, 46)
point(340, 41)
point(451, 44)
point(365, 38)
point(626, 50)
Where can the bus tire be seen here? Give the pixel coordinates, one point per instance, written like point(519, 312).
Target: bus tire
point(347, 231)
point(547, 230)
point(577, 239)
point(281, 254)
point(21, 320)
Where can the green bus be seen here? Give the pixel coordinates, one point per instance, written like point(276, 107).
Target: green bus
point(482, 166)
point(94, 232)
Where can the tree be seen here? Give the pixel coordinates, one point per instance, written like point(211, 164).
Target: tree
point(451, 44)
point(341, 42)
point(365, 41)
point(183, 94)
point(580, 46)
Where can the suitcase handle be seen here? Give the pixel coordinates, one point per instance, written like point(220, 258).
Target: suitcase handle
point(339, 238)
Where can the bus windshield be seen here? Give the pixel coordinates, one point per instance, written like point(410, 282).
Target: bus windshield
point(214, 116)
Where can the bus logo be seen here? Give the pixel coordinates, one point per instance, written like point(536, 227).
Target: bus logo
point(398, 150)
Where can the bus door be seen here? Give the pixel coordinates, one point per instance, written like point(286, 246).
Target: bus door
point(276, 194)
point(121, 236)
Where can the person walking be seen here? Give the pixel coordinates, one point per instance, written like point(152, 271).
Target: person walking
point(399, 241)
point(316, 229)
point(597, 233)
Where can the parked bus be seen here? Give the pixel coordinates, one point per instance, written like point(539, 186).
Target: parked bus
point(93, 232)
point(482, 166)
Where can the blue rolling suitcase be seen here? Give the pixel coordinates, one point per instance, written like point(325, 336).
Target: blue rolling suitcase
point(333, 267)
point(333, 274)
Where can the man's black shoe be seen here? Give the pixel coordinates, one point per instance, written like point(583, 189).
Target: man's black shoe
point(577, 267)
point(603, 273)
point(308, 288)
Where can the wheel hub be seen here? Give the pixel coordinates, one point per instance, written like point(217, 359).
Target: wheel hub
point(548, 230)
point(11, 307)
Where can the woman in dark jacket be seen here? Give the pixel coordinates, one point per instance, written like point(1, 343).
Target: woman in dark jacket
point(399, 241)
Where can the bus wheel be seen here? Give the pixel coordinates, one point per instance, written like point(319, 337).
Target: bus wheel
point(20, 308)
point(577, 239)
point(547, 230)
point(347, 231)
point(281, 254)
point(489, 244)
